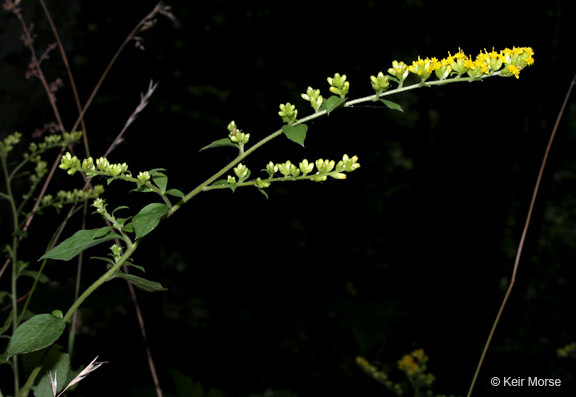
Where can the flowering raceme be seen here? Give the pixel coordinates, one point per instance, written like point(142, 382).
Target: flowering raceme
point(508, 62)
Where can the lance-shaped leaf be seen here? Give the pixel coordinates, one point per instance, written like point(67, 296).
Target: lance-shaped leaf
point(148, 218)
point(142, 283)
point(78, 242)
point(37, 333)
point(220, 143)
point(391, 105)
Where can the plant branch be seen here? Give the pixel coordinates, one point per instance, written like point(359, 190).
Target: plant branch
point(109, 275)
point(313, 116)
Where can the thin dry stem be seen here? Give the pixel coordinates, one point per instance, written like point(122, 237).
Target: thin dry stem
point(143, 102)
point(68, 72)
point(523, 236)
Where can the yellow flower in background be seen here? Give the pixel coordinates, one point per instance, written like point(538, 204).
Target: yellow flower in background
point(408, 365)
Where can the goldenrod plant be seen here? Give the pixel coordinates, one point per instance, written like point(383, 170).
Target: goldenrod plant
point(124, 228)
point(418, 382)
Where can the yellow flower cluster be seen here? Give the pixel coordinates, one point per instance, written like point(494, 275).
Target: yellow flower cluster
point(409, 365)
point(508, 62)
point(414, 366)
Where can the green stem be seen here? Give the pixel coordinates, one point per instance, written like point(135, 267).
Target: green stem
point(14, 259)
point(109, 275)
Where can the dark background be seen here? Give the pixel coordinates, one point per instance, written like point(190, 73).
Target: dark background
point(413, 250)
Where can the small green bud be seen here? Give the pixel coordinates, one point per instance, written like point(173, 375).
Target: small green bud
point(325, 166)
point(103, 164)
point(339, 85)
point(115, 169)
point(319, 178)
point(350, 163)
point(236, 135)
point(98, 190)
point(9, 142)
point(100, 206)
point(306, 167)
point(39, 171)
point(88, 167)
point(380, 83)
point(143, 176)
point(116, 252)
point(284, 168)
point(399, 70)
point(261, 184)
point(231, 180)
point(313, 96)
point(47, 200)
point(241, 171)
point(232, 126)
point(271, 168)
point(69, 163)
point(338, 175)
point(288, 112)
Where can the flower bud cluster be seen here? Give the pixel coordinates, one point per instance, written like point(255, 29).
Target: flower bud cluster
point(100, 206)
point(324, 168)
point(288, 112)
point(54, 140)
point(236, 135)
point(66, 197)
point(40, 169)
point(339, 85)
point(399, 70)
point(116, 252)
point(143, 176)
point(380, 83)
point(313, 96)
point(102, 166)
point(8, 143)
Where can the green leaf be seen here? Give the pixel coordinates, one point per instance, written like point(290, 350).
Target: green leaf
point(392, 105)
point(37, 333)
point(176, 193)
point(142, 188)
point(42, 278)
point(332, 103)
point(128, 228)
point(220, 143)
point(296, 133)
point(148, 218)
point(7, 323)
point(142, 283)
point(160, 180)
point(78, 242)
point(263, 192)
point(53, 360)
point(219, 182)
